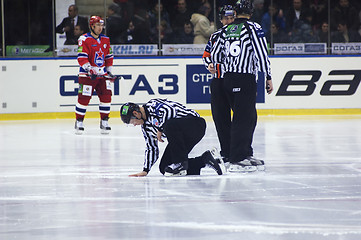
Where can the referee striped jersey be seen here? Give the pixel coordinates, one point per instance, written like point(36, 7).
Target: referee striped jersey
point(207, 54)
point(158, 111)
point(242, 47)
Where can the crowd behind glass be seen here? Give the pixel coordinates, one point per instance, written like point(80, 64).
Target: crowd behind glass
point(186, 21)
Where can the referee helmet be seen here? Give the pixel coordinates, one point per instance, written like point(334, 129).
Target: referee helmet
point(226, 10)
point(126, 112)
point(244, 7)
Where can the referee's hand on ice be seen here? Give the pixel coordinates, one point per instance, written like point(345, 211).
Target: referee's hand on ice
point(159, 136)
point(269, 86)
point(211, 68)
point(140, 174)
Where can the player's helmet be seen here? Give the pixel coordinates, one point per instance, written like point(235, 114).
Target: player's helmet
point(226, 10)
point(95, 19)
point(126, 111)
point(244, 7)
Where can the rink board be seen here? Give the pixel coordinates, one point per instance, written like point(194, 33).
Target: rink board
point(302, 85)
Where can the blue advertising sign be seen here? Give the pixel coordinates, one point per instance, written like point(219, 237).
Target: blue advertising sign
point(198, 84)
point(199, 81)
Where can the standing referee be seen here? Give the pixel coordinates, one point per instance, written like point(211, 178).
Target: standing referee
point(221, 110)
point(242, 47)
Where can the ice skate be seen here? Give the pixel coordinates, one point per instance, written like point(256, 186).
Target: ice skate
point(79, 126)
point(104, 126)
point(214, 161)
point(176, 169)
point(242, 166)
point(227, 165)
point(257, 162)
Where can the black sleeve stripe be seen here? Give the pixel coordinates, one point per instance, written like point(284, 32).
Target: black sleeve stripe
point(165, 110)
point(152, 150)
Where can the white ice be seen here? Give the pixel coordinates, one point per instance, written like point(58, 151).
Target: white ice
point(57, 185)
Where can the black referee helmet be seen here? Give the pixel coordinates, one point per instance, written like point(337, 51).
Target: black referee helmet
point(126, 111)
point(226, 10)
point(244, 7)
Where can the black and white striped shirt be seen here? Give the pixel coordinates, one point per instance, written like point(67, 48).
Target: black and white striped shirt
point(158, 111)
point(207, 53)
point(240, 51)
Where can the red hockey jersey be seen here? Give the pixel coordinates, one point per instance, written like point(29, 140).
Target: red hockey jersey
point(95, 53)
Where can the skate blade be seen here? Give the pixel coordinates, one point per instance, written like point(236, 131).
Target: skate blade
point(227, 165)
point(181, 173)
point(104, 131)
point(79, 132)
point(237, 168)
point(215, 154)
point(222, 166)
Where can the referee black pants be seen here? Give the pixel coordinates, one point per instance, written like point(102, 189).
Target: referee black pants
point(221, 114)
point(241, 90)
point(182, 135)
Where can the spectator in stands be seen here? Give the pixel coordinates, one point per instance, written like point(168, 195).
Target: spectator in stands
point(345, 35)
point(258, 11)
point(161, 31)
point(203, 28)
point(154, 16)
point(323, 34)
point(282, 4)
point(302, 31)
point(276, 35)
point(127, 8)
point(277, 17)
point(296, 13)
point(128, 35)
point(169, 5)
point(68, 24)
point(180, 16)
point(344, 12)
point(186, 36)
point(319, 10)
point(141, 27)
point(115, 24)
point(78, 31)
point(194, 5)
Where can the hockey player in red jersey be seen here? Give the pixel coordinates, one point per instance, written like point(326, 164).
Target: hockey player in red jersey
point(95, 58)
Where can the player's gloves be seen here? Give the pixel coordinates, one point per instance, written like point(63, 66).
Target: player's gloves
point(109, 74)
point(92, 74)
point(111, 77)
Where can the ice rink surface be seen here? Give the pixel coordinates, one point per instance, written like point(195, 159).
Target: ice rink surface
point(60, 186)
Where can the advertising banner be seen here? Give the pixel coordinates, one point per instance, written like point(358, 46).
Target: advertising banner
point(28, 50)
point(141, 80)
point(51, 85)
point(67, 50)
point(300, 48)
point(118, 50)
point(198, 84)
point(199, 80)
point(183, 49)
point(135, 50)
point(346, 48)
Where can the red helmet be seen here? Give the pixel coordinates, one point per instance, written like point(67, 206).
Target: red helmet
point(95, 19)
